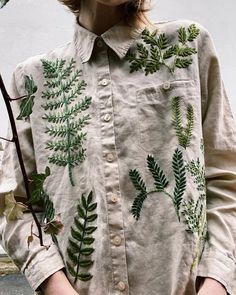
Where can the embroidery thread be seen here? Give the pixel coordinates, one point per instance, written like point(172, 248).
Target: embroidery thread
point(79, 247)
point(160, 182)
point(184, 134)
point(63, 87)
point(157, 51)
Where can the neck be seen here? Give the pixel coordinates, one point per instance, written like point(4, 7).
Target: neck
point(97, 17)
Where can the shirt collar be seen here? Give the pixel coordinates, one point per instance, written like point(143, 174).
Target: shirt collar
point(119, 38)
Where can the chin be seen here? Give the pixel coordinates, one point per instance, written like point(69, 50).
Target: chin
point(112, 2)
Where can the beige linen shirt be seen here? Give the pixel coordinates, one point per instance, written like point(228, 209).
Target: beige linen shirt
point(157, 151)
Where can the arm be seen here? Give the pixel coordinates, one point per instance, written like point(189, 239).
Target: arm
point(219, 133)
point(36, 262)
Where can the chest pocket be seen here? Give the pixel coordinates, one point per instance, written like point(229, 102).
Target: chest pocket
point(155, 111)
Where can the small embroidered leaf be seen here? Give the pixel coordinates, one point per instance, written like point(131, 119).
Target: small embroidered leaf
point(182, 35)
point(193, 32)
point(186, 51)
point(87, 251)
point(85, 277)
point(54, 227)
point(184, 134)
point(137, 180)
point(158, 174)
point(162, 41)
point(13, 209)
point(183, 62)
point(3, 3)
point(138, 204)
point(37, 183)
point(149, 38)
point(27, 103)
point(180, 179)
point(77, 250)
point(169, 52)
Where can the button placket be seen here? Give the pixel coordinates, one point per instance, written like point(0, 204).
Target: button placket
point(111, 179)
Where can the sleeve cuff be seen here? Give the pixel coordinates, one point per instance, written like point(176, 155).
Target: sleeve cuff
point(44, 264)
point(218, 266)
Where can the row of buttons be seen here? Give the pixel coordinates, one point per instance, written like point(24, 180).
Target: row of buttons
point(110, 157)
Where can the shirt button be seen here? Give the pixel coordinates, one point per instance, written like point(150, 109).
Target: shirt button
point(110, 157)
point(121, 286)
point(107, 118)
point(117, 240)
point(104, 82)
point(166, 85)
point(114, 198)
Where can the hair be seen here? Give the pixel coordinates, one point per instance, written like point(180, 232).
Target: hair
point(134, 9)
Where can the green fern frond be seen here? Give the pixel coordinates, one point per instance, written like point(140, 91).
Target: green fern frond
point(184, 134)
point(180, 179)
point(79, 247)
point(183, 63)
point(193, 32)
point(156, 50)
point(182, 35)
point(158, 174)
point(139, 184)
point(138, 204)
point(63, 87)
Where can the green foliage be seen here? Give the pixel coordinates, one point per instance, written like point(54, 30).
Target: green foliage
point(158, 174)
point(180, 179)
point(3, 3)
point(37, 184)
point(198, 172)
point(192, 213)
point(49, 211)
point(156, 50)
point(64, 113)
point(140, 186)
point(27, 103)
point(161, 183)
point(184, 134)
point(79, 244)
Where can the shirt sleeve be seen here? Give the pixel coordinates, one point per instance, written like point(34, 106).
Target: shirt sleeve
point(219, 134)
point(35, 261)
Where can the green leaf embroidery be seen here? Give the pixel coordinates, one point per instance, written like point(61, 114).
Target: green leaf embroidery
point(140, 186)
point(79, 244)
point(180, 179)
point(184, 134)
point(160, 182)
point(195, 211)
point(3, 3)
point(27, 103)
point(62, 106)
point(158, 50)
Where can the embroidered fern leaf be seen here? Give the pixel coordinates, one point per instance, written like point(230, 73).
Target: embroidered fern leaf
point(63, 89)
point(140, 186)
point(180, 179)
point(182, 35)
point(158, 50)
point(198, 172)
point(49, 210)
point(158, 174)
point(79, 247)
point(184, 134)
point(27, 103)
point(193, 32)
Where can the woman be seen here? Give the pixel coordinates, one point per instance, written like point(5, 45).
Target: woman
point(128, 118)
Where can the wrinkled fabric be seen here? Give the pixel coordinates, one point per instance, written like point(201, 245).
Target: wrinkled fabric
point(131, 118)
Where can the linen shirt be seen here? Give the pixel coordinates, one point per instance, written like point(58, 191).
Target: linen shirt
point(156, 149)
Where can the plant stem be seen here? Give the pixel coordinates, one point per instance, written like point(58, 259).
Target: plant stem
point(15, 139)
